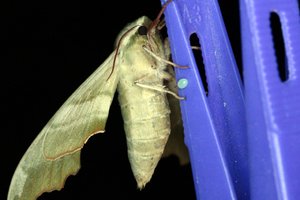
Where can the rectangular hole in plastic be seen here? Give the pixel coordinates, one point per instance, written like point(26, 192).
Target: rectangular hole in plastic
point(196, 47)
point(278, 42)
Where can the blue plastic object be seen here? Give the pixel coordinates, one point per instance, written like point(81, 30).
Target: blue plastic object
point(240, 149)
point(272, 104)
point(219, 138)
point(214, 124)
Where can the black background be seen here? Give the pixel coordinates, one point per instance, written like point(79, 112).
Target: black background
point(49, 49)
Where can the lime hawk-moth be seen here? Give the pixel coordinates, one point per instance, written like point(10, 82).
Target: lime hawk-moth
point(137, 68)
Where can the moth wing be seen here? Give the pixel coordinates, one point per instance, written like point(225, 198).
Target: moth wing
point(55, 153)
point(175, 144)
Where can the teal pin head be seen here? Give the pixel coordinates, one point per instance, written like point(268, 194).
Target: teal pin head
point(182, 83)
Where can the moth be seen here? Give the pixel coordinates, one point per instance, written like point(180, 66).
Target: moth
point(137, 68)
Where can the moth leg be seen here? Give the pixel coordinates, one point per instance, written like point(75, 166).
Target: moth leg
point(195, 48)
point(161, 24)
point(160, 88)
point(162, 59)
point(169, 74)
point(166, 75)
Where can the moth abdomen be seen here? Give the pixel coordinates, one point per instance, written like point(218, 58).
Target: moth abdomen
point(144, 153)
point(144, 163)
point(147, 127)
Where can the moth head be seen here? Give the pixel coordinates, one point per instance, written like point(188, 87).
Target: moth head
point(129, 34)
point(133, 29)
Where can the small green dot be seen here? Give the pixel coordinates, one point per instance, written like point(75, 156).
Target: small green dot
point(182, 83)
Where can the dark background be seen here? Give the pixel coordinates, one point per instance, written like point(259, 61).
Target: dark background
point(49, 49)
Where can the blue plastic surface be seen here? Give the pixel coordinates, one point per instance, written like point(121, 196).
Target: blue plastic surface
point(273, 106)
point(214, 125)
point(218, 127)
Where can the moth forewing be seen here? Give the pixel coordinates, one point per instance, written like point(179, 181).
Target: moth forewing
point(55, 153)
point(82, 115)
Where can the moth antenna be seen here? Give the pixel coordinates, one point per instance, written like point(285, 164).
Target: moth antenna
point(117, 49)
point(156, 21)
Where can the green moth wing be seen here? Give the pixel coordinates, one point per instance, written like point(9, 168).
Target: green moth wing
point(55, 153)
